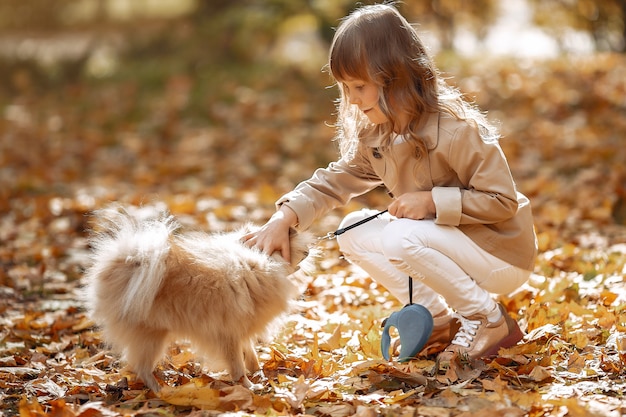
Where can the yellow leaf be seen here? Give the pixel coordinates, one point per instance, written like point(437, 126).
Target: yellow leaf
point(194, 393)
point(181, 358)
point(333, 342)
point(370, 344)
point(608, 297)
point(399, 395)
point(30, 408)
point(283, 378)
point(315, 352)
point(579, 339)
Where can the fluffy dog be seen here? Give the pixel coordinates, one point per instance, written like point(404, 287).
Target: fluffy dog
point(150, 284)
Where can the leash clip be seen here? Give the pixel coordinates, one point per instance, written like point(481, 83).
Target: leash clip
point(328, 236)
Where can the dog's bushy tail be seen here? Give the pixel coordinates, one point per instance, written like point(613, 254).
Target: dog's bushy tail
point(132, 247)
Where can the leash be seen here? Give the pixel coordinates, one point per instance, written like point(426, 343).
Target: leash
point(332, 235)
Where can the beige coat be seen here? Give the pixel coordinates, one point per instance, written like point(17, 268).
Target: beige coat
point(471, 184)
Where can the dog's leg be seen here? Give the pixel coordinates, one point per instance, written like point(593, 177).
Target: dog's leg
point(144, 352)
point(232, 352)
point(249, 355)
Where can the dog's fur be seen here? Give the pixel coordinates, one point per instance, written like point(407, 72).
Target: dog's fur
point(150, 284)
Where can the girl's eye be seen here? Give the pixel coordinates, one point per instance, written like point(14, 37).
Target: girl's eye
point(359, 87)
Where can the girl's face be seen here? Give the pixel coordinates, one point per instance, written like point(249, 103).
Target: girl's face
point(364, 94)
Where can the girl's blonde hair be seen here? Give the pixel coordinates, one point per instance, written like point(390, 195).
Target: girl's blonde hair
point(376, 43)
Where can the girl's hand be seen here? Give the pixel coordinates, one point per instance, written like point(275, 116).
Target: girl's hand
point(274, 235)
point(417, 205)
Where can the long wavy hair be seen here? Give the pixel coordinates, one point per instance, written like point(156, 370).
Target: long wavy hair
point(376, 43)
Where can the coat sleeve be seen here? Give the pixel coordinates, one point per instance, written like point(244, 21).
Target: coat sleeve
point(328, 188)
point(488, 194)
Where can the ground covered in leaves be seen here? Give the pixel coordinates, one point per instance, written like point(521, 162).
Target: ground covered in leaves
point(67, 151)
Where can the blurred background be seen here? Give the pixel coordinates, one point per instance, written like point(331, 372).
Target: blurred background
point(214, 108)
point(176, 99)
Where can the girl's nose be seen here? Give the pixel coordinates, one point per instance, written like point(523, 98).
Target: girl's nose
point(354, 100)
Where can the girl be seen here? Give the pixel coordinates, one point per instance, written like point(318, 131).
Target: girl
point(456, 224)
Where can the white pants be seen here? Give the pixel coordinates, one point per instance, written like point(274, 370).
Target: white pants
point(447, 267)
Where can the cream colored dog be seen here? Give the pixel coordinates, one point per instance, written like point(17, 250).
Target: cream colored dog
point(149, 285)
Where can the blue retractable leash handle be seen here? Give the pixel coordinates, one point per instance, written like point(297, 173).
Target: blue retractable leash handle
point(414, 322)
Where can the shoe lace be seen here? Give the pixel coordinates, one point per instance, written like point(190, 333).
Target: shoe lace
point(466, 333)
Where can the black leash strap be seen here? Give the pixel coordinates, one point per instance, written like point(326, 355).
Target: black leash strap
point(332, 235)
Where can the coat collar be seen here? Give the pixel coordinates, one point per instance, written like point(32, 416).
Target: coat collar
point(430, 130)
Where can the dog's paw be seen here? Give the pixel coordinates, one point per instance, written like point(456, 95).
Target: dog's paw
point(152, 384)
point(256, 387)
point(249, 384)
